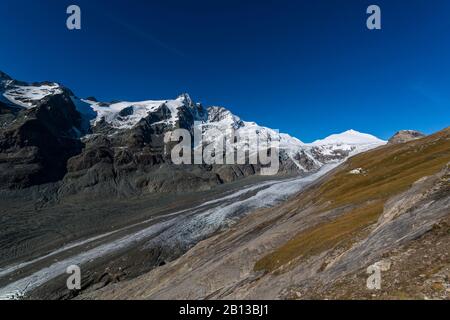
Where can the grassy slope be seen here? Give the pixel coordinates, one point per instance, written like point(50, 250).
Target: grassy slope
point(389, 170)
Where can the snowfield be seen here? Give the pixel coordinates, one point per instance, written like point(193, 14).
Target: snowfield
point(28, 96)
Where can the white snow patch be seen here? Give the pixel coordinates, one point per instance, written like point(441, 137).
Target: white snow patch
point(139, 110)
point(357, 171)
point(26, 96)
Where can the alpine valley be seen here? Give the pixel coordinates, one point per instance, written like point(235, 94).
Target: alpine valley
point(91, 183)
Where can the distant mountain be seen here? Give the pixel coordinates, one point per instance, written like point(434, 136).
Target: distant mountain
point(405, 136)
point(50, 135)
point(350, 137)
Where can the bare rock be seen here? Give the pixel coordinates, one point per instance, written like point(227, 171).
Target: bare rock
point(405, 136)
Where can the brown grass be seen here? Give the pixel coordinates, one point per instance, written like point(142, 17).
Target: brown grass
point(319, 238)
point(389, 170)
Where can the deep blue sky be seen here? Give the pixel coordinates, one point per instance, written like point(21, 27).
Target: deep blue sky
point(309, 68)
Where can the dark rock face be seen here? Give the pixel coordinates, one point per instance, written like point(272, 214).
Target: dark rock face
point(405, 136)
point(35, 144)
point(7, 114)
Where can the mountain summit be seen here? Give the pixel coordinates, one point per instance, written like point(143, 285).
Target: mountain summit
point(351, 137)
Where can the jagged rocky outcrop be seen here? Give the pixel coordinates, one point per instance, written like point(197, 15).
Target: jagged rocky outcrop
point(405, 136)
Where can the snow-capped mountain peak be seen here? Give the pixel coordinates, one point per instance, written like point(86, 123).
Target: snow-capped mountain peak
point(222, 117)
point(126, 114)
point(25, 95)
point(351, 137)
point(349, 142)
point(185, 98)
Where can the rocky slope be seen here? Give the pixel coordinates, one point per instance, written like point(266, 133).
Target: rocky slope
point(388, 206)
point(405, 136)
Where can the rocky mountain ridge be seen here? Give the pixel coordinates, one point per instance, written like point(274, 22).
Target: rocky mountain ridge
point(48, 135)
point(403, 136)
